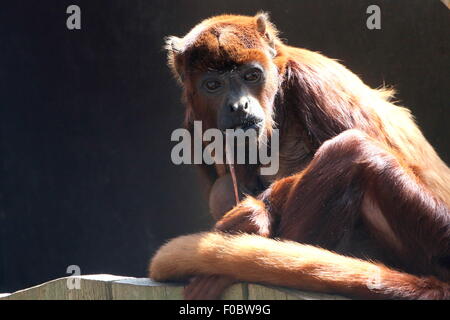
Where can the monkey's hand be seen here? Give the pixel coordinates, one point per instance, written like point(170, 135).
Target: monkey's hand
point(249, 216)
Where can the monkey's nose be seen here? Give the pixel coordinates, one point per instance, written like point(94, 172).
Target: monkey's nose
point(239, 106)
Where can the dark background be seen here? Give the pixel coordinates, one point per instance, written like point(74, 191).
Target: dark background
point(86, 118)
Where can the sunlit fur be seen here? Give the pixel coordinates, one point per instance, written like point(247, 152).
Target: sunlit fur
point(289, 264)
point(347, 152)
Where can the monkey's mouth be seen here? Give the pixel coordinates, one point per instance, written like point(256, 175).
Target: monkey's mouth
point(248, 124)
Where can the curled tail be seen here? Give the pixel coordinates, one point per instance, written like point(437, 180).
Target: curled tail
point(284, 263)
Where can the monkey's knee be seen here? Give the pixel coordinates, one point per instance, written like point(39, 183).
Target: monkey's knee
point(356, 148)
point(349, 142)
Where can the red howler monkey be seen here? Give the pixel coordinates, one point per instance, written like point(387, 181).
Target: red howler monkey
point(360, 193)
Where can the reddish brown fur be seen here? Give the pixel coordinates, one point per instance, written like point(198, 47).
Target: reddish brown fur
point(356, 177)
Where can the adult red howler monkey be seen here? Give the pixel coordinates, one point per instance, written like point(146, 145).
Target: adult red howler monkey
point(356, 177)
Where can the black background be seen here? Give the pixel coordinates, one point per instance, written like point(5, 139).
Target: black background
point(86, 117)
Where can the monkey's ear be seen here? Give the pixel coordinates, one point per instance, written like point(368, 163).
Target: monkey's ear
point(174, 44)
point(175, 48)
point(265, 28)
point(262, 19)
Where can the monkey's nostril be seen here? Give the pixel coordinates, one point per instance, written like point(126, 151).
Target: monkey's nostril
point(246, 105)
point(233, 108)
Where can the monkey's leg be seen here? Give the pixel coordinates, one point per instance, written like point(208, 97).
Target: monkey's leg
point(352, 177)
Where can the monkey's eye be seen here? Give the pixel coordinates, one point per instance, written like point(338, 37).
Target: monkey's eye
point(212, 85)
point(252, 75)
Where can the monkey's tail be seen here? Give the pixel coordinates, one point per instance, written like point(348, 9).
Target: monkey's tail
point(285, 263)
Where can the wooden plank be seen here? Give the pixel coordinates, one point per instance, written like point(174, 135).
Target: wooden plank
point(45, 291)
point(146, 289)
point(256, 290)
point(92, 287)
point(259, 292)
point(109, 287)
point(238, 291)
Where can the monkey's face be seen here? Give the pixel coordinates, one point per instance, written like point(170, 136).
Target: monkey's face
point(227, 68)
point(235, 96)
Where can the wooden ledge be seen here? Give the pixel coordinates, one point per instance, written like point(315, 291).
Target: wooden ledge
point(110, 287)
